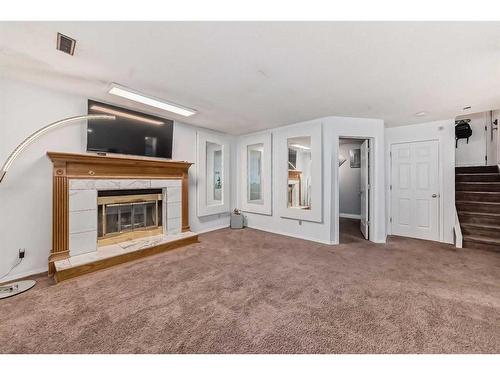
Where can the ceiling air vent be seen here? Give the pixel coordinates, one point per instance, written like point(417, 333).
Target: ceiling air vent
point(66, 44)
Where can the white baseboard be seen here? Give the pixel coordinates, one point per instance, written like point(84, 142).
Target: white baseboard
point(350, 216)
point(293, 235)
point(384, 240)
point(24, 274)
point(212, 229)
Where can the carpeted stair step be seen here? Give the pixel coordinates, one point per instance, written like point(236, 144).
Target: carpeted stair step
point(477, 186)
point(477, 199)
point(478, 218)
point(478, 196)
point(483, 230)
point(481, 242)
point(478, 169)
point(490, 207)
point(477, 177)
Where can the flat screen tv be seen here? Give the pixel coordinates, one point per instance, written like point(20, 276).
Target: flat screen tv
point(132, 133)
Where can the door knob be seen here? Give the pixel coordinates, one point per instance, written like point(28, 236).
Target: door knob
point(435, 195)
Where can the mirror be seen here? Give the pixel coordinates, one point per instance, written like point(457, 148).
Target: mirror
point(299, 173)
point(212, 173)
point(215, 178)
point(300, 170)
point(255, 159)
point(254, 173)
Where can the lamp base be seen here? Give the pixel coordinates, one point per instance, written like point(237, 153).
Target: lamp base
point(12, 289)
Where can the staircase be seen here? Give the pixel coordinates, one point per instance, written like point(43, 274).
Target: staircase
point(477, 198)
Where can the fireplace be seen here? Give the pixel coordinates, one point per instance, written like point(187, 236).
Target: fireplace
point(111, 209)
point(123, 215)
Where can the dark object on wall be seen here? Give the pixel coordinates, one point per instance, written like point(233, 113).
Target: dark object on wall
point(132, 132)
point(462, 130)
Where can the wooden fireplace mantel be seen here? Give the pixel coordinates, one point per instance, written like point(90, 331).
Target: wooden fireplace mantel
point(80, 166)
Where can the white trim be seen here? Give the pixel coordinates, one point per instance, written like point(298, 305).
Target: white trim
point(265, 207)
point(205, 209)
point(24, 274)
point(292, 235)
point(457, 230)
point(384, 240)
point(213, 229)
point(350, 216)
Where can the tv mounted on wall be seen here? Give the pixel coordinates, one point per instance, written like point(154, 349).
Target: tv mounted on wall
point(132, 133)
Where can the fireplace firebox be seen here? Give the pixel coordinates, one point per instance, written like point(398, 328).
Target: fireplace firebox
point(124, 215)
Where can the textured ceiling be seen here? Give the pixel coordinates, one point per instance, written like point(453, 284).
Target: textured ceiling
point(246, 76)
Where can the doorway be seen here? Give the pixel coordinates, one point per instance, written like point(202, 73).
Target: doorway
point(354, 189)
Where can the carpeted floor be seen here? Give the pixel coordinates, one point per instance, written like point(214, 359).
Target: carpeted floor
point(350, 231)
point(247, 291)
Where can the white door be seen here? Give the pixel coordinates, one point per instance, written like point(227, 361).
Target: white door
point(364, 189)
point(415, 190)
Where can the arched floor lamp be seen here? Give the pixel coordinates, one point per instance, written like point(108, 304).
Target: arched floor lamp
point(17, 287)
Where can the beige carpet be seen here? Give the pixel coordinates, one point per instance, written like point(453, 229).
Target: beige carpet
point(249, 291)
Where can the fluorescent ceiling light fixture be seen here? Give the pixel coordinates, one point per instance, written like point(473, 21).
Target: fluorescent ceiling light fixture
point(300, 146)
point(125, 114)
point(420, 114)
point(148, 100)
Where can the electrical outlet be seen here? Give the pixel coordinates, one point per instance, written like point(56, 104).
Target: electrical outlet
point(22, 253)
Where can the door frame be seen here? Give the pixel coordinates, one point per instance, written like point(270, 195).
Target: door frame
point(371, 178)
point(440, 180)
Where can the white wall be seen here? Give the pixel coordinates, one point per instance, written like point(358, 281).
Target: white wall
point(444, 132)
point(474, 152)
point(327, 230)
point(350, 183)
point(481, 143)
point(314, 231)
point(185, 149)
point(26, 192)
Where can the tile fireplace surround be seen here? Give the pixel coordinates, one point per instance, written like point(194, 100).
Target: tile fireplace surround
point(83, 208)
point(77, 181)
